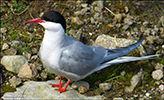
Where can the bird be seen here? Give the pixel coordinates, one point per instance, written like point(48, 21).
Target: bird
point(69, 58)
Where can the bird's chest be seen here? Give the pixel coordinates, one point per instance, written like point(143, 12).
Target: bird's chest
point(50, 58)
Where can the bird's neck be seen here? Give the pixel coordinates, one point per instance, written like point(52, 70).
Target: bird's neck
point(53, 39)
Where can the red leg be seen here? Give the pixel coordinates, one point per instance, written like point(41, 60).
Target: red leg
point(63, 89)
point(57, 85)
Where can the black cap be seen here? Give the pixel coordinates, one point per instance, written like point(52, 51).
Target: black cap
point(54, 16)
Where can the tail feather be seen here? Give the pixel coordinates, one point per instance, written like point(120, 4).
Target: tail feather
point(125, 59)
point(119, 52)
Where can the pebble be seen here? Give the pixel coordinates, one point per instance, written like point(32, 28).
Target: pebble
point(77, 84)
point(118, 18)
point(157, 74)
point(28, 71)
point(11, 51)
point(3, 30)
point(159, 66)
point(118, 98)
point(123, 73)
point(77, 21)
point(5, 46)
point(126, 9)
point(147, 94)
point(105, 86)
point(14, 81)
point(84, 5)
point(161, 87)
point(13, 63)
point(135, 80)
point(125, 27)
point(82, 89)
point(128, 21)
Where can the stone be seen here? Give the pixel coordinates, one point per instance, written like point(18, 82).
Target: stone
point(105, 86)
point(118, 98)
point(135, 80)
point(82, 89)
point(15, 43)
point(3, 30)
point(84, 5)
point(161, 87)
point(77, 21)
point(11, 51)
point(159, 66)
point(112, 43)
point(5, 46)
point(13, 63)
point(150, 51)
point(118, 18)
point(28, 71)
point(128, 21)
point(126, 9)
point(157, 74)
point(77, 84)
point(43, 90)
point(92, 20)
point(27, 55)
point(125, 27)
point(14, 81)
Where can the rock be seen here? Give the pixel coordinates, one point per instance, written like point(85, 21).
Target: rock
point(146, 23)
point(126, 9)
point(147, 94)
point(14, 81)
point(82, 89)
point(159, 66)
point(76, 20)
point(128, 21)
point(123, 73)
point(105, 86)
point(3, 30)
point(15, 43)
point(11, 51)
point(28, 71)
point(161, 87)
point(75, 34)
point(109, 42)
point(43, 90)
point(83, 11)
point(125, 27)
point(118, 18)
point(158, 41)
point(5, 46)
point(84, 5)
point(163, 46)
point(27, 55)
point(162, 97)
point(92, 20)
point(150, 51)
point(157, 74)
point(135, 80)
point(97, 9)
point(34, 50)
point(77, 84)
point(118, 98)
point(13, 63)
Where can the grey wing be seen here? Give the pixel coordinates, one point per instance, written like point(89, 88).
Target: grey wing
point(80, 59)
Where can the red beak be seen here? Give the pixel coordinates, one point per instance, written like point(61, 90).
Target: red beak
point(37, 20)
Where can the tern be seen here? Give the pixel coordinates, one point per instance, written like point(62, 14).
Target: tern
point(69, 58)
